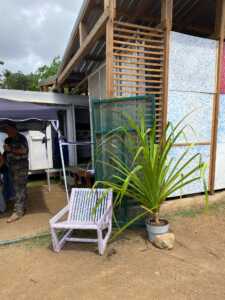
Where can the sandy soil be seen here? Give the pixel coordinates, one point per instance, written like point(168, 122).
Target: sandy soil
point(41, 206)
point(131, 269)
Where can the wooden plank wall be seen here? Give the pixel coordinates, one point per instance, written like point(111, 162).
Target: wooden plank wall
point(137, 63)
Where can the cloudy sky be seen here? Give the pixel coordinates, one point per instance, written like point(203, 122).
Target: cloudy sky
point(32, 32)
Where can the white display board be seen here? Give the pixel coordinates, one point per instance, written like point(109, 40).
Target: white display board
point(37, 150)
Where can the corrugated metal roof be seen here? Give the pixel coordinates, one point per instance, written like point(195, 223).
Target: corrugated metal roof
point(43, 97)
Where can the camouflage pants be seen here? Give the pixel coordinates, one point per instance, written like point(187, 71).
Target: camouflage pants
point(19, 183)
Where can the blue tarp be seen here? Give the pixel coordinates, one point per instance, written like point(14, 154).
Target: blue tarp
point(27, 116)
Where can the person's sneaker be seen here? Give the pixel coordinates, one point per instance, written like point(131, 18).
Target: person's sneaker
point(14, 217)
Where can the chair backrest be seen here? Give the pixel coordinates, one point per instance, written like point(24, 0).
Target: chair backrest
point(84, 200)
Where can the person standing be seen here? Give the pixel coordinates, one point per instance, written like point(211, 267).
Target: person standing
point(16, 159)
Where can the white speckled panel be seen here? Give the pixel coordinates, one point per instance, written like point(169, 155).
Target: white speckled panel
point(220, 167)
point(221, 124)
point(199, 121)
point(197, 186)
point(192, 63)
point(220, 154)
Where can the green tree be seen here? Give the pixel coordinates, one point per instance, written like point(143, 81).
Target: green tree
point(29, 82)
point(1, 63)
point(20, 81)
point(46, 71)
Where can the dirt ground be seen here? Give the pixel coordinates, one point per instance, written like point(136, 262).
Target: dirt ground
point(41, 206)
point(131, 268)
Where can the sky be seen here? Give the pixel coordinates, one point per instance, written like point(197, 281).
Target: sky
point(33, 32)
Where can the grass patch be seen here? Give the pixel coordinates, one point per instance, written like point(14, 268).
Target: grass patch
point(36, 183)
point(41, 241)
point(215, 208)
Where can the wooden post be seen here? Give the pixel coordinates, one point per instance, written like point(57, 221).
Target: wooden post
point(82, 32)
point(219, 25)
point(166, 24)
point(111, 7)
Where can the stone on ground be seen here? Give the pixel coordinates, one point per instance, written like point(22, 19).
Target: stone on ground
point(164, 241)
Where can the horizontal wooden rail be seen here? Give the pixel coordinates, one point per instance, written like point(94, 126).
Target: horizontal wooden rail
point(136, 38)
point(147, 28)
point(138, 62)
point(122, 67)
point(137, 80)
point(194, 144)
point(138, 86)
point(139, 92)
point(138, 45)
point(138, 57)
point(157, 53)
point(136, 75)
point(134, 32)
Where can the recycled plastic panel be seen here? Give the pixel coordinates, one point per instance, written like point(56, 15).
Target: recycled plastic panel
point(197, 186)
point(222, 84)
point(221, 121)
point(220, 154)
point(220, 166)
point(198, 123)
point(192, 63)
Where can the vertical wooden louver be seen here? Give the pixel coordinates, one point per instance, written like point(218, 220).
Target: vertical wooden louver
point(138, 63)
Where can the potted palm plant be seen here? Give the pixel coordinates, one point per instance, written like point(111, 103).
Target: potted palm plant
point(148, 172)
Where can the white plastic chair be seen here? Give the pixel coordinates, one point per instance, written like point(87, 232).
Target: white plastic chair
point(80, 214)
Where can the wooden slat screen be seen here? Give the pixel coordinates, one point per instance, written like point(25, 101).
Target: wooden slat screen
point(138, 63)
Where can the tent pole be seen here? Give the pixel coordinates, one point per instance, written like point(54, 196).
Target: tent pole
point(64, 169)
point(56, 127)
point(48, 163)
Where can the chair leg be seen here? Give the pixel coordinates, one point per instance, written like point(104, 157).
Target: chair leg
point(59, 243)
point(102, 242)
point(55, 240)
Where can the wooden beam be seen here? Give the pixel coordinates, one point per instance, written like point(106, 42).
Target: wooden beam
point(216, 101)
point(166, 24)
point(82, 32)
point(217, 19)
point(93, 35)
point(111, 8)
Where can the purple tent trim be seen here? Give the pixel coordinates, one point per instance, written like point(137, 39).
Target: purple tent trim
point(27, 116)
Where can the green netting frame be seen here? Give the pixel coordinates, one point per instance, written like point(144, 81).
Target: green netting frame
point(107, 115)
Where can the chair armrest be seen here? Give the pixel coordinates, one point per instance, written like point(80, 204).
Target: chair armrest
point(106, 213)
point(59, 215)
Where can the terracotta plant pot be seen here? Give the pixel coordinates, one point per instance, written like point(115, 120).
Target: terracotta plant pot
point(154, 229)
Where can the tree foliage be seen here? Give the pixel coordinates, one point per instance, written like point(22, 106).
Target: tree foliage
point(29, 82)
point(47, 71)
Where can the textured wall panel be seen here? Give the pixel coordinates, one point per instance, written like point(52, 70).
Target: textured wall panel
point(221, 124)
point(220, 154)
point(195, 187)
point(192, 63)
point(220, 167)
point(199, 121)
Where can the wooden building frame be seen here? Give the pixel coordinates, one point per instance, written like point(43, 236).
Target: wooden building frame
point(106, 31)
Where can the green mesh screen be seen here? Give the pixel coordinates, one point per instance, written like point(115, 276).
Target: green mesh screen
point(108, 115)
